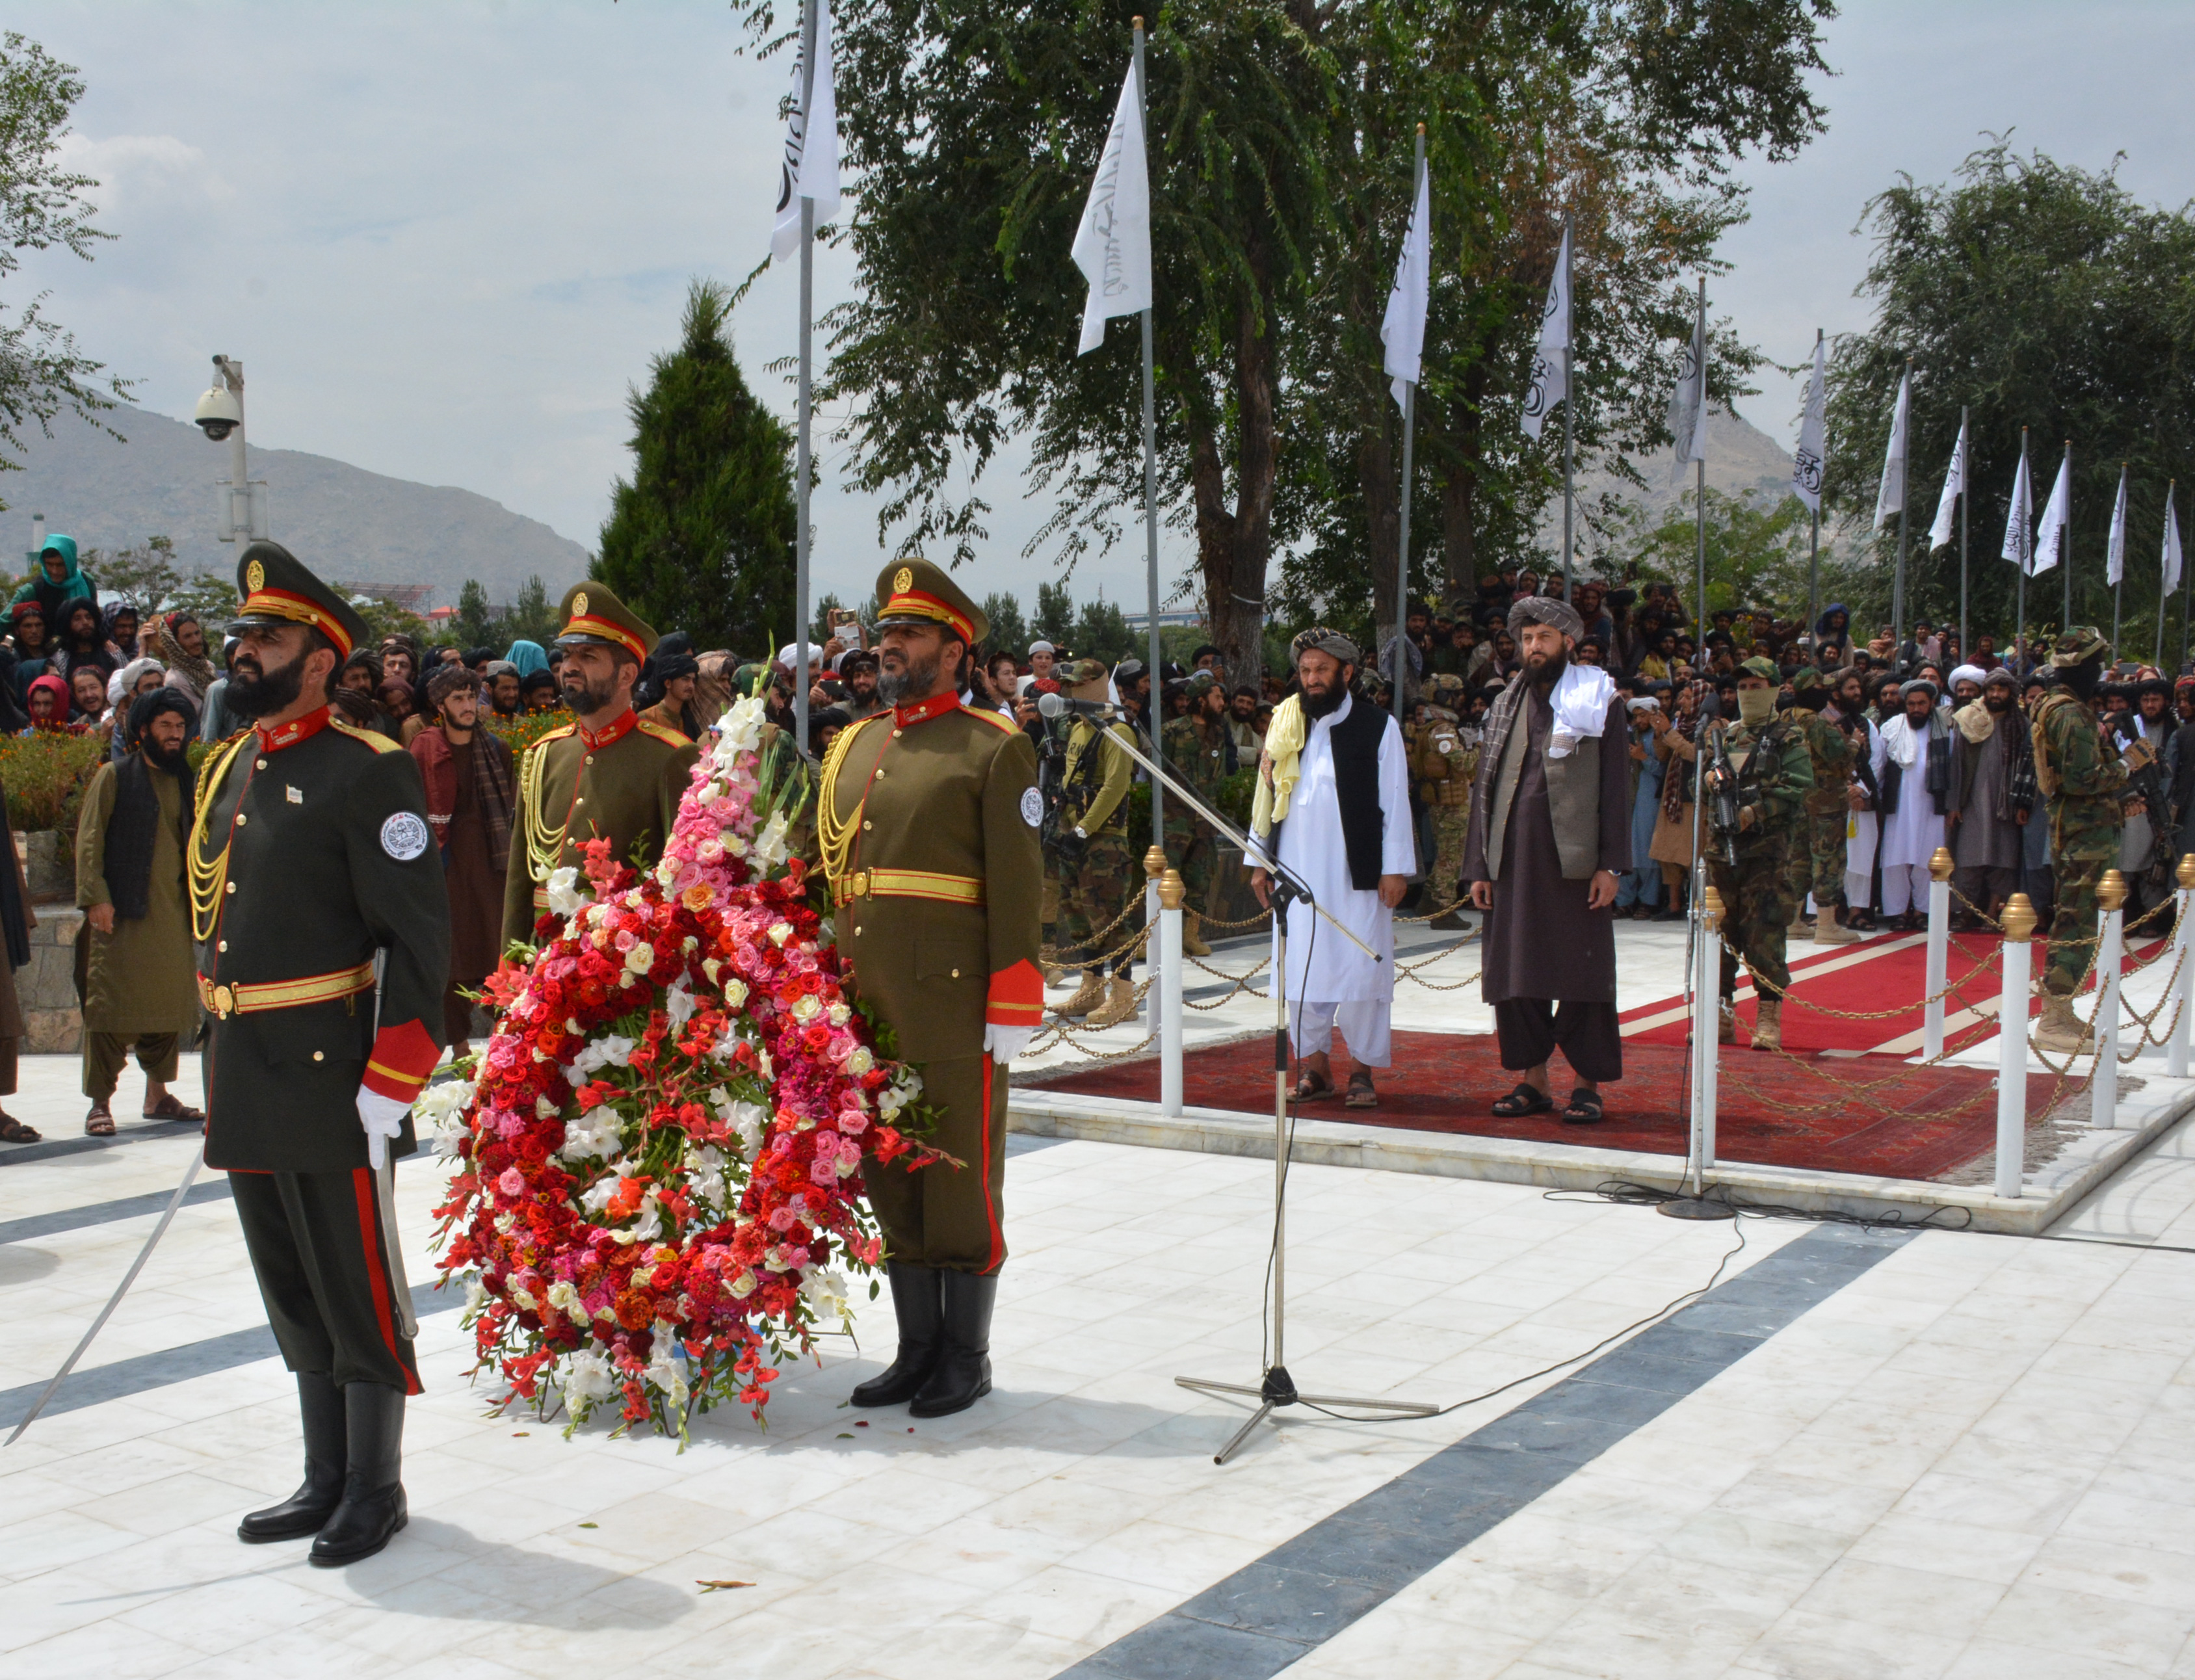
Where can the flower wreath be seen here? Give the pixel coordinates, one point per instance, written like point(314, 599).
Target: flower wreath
point(660, 1149)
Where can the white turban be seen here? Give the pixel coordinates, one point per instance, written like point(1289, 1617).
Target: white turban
point(1973, 674)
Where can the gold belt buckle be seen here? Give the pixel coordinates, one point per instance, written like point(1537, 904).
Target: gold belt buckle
point(224, 1001)
point(859, 882)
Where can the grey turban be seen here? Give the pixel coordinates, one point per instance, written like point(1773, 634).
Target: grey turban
point(1331, 642)
point(1905, 689)
point(2002, 674)
point(1545, 609)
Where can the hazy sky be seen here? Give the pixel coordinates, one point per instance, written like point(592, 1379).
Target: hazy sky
point(445, 239)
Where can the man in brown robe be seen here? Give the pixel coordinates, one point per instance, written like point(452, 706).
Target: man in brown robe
point(471, 787)
point(1549, 837)
point(141, 991)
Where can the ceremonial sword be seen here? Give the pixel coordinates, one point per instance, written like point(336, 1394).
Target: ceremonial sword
point(198, 1160)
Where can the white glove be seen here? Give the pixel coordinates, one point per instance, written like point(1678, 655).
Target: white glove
point(383, 1117)
point(1004, 1044)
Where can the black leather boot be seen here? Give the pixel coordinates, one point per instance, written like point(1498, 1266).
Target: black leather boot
point(373, 1507)
point(921, 1336)
point(963, 1376)
point(320, 1405)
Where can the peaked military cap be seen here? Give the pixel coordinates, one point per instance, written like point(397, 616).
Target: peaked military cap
point(2079, 645)
point(592, 615)
point(912, 591)
point(276, 588)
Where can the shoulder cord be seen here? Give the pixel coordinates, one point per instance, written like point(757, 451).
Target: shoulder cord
point(834, 839)
point(545, 845)
point(209, 880)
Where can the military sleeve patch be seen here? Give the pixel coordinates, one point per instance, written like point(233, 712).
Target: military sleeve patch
point(403, 837)
point(1032, 806)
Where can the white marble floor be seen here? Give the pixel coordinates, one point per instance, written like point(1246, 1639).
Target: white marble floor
point(1969, 1460)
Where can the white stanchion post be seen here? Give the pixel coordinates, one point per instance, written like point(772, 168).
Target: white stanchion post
point(2011, 1046)
point(2110, 946)
point(1939, 948)
point(1155, 863)
point(1170, 891)
point(2183, 985)
point(1711, 1037)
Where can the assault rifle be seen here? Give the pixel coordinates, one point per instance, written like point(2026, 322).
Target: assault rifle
point(1722, 795)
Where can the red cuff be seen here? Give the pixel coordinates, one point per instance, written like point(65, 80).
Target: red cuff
point(1017, 997)
point(403, 1056)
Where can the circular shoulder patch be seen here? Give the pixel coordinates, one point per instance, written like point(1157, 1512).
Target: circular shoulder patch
point(403, 835)
point(1032, 806)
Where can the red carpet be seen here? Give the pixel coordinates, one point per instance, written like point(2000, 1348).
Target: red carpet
point(1878, 1117)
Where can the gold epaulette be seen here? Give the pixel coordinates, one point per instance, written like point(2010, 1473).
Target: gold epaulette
point(996, 718)
point(372, 738)
point(662, 732)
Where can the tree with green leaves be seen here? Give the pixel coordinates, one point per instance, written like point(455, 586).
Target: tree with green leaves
point(1055, 615)
point(532, 616)
point(2042, 296)
point(42, 373)
point(1281, 133)
point(477, 622)
point(1009, 633)
point(701, 537)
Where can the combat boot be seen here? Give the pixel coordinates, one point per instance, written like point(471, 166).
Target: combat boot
point(916, 1305)
point(2061, 1032)
point(1768, 1024)
point(1192, 936)
point(1120, 1004)
point(372, 1508)
point(1054, 975)
point(963, 1375)
point(320, 1407)
point(1087, 997)
point(1826, 930)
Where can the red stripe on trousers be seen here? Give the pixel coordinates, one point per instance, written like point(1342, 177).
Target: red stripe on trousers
point(369, 1224)
point(990, 1208)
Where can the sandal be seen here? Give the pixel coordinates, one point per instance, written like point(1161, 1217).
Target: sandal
point(1361, 1093)
point(1584, 1108)
point(12, 1130)
point(171, 1107)
point(1313, 1087)
point(1521, 1101)
point(99, 1122)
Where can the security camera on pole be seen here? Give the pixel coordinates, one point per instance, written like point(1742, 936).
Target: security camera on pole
point(221, 416)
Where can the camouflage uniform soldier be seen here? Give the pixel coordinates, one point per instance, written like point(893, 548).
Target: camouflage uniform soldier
point(1770, 775)
point(2085, 783)
point(1201, 754)
point(1097, 876)
point(1443, 769)
point(1817, 852)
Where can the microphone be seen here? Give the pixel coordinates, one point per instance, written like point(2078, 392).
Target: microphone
point(1058, 705)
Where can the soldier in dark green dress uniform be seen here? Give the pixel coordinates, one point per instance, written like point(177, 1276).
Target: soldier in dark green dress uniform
point(612, 774)
point(927, 826)
point(309, 860)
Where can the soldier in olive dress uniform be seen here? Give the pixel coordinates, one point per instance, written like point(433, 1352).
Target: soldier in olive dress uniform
point(309, 861)
point(928, 818)
point(611, 774)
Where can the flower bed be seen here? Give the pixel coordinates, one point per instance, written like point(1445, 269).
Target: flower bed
point(658, 1193)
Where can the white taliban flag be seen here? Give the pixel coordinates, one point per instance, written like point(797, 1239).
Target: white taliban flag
point(2017, 539)
point(2057, 514)
point(1551, 374)
point(1806, 466)
point(1890, 498)
point(810, 169)
point(1403, 330)
point(2115, 551)
point(1113, 246)
point(1688, 403)
point(1954, 485)
point(2171, 542)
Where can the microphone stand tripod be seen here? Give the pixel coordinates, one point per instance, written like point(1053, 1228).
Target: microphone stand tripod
point(1275, 1387)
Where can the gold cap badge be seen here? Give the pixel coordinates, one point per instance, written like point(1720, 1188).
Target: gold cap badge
point(579, 604)
point(254, 577)
point(903, 580)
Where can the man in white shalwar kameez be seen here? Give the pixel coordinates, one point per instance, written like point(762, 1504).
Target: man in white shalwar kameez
point(1917, 743)
point(1862, 826)
point(1333, 808)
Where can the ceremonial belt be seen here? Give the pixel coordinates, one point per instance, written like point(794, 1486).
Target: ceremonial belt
point(907, 883)
point(252, 997)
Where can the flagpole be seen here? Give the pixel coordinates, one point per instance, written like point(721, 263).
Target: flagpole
point(2163, 588)
point(803, 447)
point(1569, 387)
point(1151, 716)
point(1904, 476)
point(2187, 593)
point(2028, 561)
point(1700, 565)
point(2118, 590)
point(1965, 468)
point(2066, 547)
point(1814, 557)
point(1409, 439)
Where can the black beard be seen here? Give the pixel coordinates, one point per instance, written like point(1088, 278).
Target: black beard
point(913, 680)
point(1320, 702)
point(1999, 704)
point(1544, 669)
point(265, 692)
point(583, 700)
point(162, 759)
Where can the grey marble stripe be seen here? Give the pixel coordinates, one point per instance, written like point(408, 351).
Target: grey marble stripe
point(1276, 1611)
point(106, 1213)
point(53, 1149)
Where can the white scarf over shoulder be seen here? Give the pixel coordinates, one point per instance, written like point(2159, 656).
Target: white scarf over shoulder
point(1580, 703)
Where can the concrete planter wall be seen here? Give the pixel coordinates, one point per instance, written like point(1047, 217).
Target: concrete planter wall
point(48, 857)
point(53, 1020)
